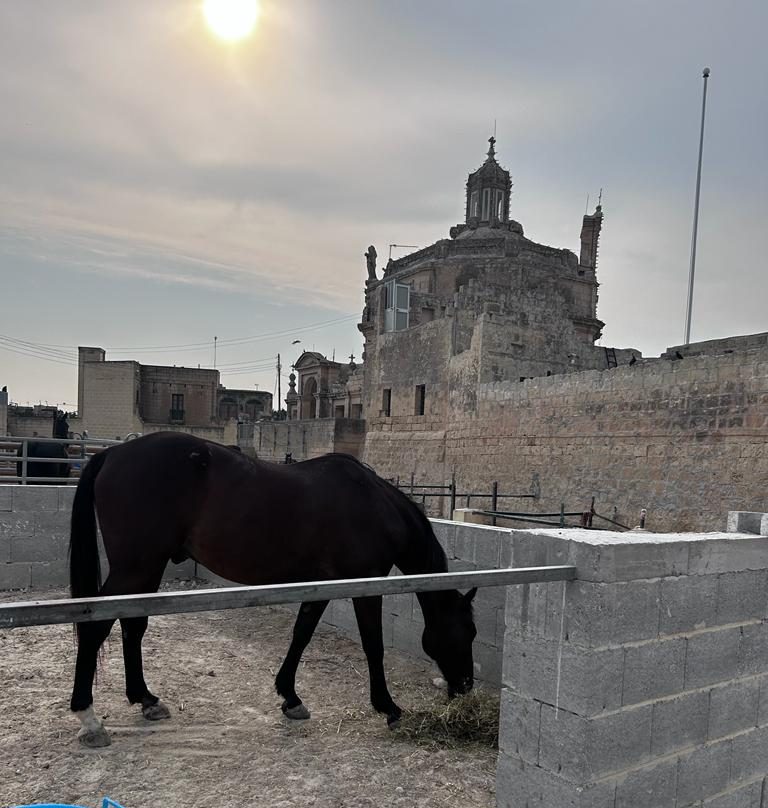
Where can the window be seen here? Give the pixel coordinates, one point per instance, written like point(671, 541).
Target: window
point(386, 402)
point(397, 301)
point(339, 411)
point(420, 396)
point(486, 205)
point(177, 407)
point(499, 205)
point(473, 204)
point(427, 315)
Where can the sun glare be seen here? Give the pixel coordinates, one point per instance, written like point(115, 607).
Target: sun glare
point(231, 19)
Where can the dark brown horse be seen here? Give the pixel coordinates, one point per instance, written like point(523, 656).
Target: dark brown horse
point(169, 496)
point(47, 449)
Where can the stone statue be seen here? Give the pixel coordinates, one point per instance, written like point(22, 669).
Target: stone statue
point(370, 258)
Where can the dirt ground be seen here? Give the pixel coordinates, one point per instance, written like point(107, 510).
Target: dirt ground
point(226, 744)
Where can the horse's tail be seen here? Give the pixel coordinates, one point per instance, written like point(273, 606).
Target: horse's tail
point(84, 566)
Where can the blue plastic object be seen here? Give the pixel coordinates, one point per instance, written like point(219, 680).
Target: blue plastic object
point(107, 803)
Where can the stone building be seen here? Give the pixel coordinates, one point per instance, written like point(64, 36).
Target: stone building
point(123, 397)
point(326, 389)
point(485, 305)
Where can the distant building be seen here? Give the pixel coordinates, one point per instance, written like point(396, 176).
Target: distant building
point(123, 397)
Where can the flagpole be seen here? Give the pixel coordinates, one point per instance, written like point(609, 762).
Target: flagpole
point(689, 308)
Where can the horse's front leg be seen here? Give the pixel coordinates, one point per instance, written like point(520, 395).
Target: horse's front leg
point(368, 613)
point(285, 681)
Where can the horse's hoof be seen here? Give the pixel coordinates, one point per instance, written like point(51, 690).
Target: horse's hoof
point(155, 712)
point(94, 738)
point(297, 713)
point(393, 721)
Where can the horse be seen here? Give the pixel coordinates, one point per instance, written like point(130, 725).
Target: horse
point(171, 496)
point(47, 449)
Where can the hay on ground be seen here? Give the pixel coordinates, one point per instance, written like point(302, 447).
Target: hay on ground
point(465, 720)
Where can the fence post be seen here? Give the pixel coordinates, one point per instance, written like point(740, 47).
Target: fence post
point(413, 474)
point(562, 514)
point(643, 514)
point(397, 481)
point(24, 455)
point(494, 500)
point(591, 511)
point(453, 496)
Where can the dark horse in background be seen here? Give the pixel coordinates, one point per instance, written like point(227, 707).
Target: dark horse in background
point(168, 496)
point(47, 449)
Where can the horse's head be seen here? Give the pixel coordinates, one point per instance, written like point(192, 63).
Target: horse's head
point(448, 639)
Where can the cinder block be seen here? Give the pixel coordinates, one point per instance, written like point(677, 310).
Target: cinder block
point(519, 721)
point(48, 574)
point(6, 497)
point(401, 605)
point(35, 498)
point(748, 796)
point(680, 722)
point(733, 707)
point(762, 711)
point(38, 548)
point(589, 681)
point(703, 772)
point(712, 657)
point(599, 614)
point(485, 622)
point(52, 524)
point(530, 549)
point(744, 522)
point(406, 637)
point(464, 546)
point(487, 551)
point(5, 549)
point(750, 755)
point(17, 524)
point(688, 603)
point(652, 670)
point(654, 785)
point(727, 555)
point(742, 596)
point(629, 561)
point(754, 648)
point(488, 660)
point(15, 576)
point(180, 572)
point(521, 785)
point(584, 749)
point(67, 498)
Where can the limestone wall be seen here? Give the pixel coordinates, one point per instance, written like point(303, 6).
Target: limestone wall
point(686, 439)
point(642, 683)
point(273, 440)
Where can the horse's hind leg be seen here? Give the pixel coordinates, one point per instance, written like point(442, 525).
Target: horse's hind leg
point(136, 689)
point(368, 614)
point(285, 681)
point(90, 638)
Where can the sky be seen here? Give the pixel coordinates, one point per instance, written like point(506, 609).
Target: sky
point(160, 187)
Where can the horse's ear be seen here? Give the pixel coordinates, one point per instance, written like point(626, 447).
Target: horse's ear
point(470, 596)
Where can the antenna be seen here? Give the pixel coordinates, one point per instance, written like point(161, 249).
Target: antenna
point(494, 127)
point(600, 198)
point(586, 207)
point(215, 339)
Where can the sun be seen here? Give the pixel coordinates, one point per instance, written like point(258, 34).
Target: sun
point(231, 19)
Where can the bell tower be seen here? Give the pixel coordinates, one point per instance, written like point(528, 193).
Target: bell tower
point(488, 191)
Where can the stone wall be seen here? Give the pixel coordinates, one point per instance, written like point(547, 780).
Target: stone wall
point(273, 440)
point(686, 439)
point(642, 683)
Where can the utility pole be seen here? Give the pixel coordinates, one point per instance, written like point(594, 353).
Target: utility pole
point(689, 308)
point(279, 389)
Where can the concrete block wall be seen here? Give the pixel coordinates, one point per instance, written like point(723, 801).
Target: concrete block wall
point(642, 683)
point(468, 547)
point(34, 538)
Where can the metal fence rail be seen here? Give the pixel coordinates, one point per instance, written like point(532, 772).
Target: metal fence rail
point(85, 610)
point(84, 449)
